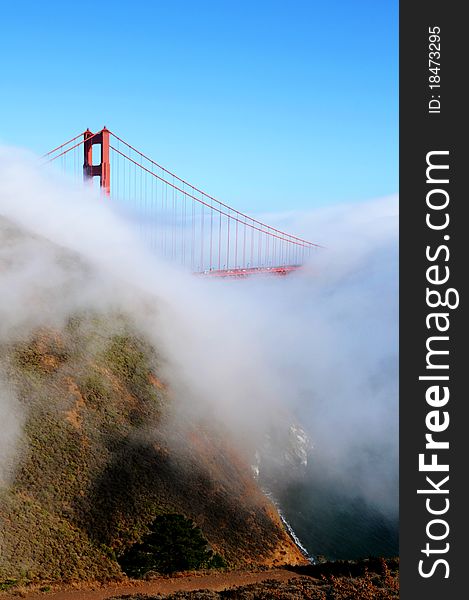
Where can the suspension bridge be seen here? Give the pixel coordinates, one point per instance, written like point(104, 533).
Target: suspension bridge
point(178, 220)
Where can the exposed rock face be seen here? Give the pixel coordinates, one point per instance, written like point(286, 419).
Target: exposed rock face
point(285, 449)
point(99, 459)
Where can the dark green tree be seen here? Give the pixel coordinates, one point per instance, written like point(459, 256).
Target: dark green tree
point(173, 543)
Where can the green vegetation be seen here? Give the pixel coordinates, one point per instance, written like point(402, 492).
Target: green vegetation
point(6, 584)
point(34, 358)
point(127, 356)
point(173, 543)
point(98, 462)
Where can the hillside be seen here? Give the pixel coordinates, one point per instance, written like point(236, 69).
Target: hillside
point(103, 454)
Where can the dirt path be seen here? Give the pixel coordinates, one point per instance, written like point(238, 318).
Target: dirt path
point(213, 581)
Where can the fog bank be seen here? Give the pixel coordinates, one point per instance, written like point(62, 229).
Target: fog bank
point(320, 344)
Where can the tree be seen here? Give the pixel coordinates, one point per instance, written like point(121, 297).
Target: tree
point(173, 543)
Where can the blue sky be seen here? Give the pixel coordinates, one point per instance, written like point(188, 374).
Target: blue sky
point(267, 105)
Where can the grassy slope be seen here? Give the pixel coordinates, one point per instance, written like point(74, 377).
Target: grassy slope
point(96, 464)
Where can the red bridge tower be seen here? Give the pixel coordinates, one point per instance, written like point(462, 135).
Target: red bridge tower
point(103, 170)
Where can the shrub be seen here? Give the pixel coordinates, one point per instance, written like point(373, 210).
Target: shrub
point(128, 359)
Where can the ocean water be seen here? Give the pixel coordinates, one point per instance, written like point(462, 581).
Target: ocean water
point(332, 523)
